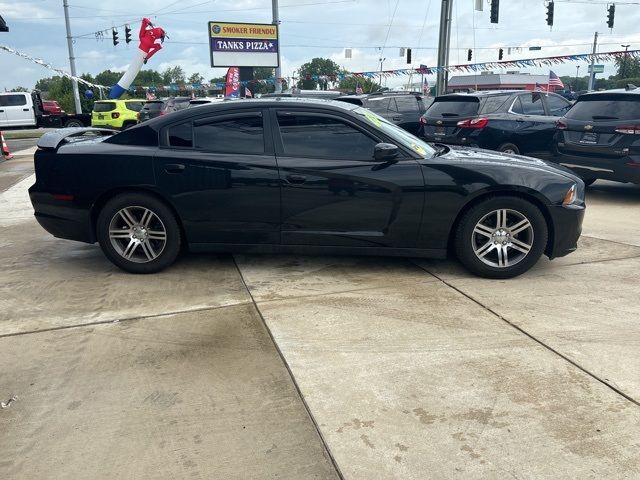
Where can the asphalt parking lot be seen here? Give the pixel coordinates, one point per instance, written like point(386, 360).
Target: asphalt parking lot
point(318, 367)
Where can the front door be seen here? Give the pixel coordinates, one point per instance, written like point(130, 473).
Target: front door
point(334, 193)
point(220, 172)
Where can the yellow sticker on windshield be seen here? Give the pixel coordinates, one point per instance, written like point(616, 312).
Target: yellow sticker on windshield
point(418, 149)
point(372, 118)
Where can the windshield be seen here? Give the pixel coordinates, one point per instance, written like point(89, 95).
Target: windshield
point(398, 134)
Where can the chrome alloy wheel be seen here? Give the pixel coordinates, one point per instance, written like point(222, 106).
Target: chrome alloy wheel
point(137, 234)
point(502, 238)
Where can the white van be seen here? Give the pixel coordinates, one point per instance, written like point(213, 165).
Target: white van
point(24, 110)
point(16, 110)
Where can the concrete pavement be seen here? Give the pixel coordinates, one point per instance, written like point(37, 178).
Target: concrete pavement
point(406, 369)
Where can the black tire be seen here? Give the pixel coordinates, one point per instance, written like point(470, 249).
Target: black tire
point(73, 124)
point(508, 147)
point(150, 255)
point(466, 237)
point(126, 125)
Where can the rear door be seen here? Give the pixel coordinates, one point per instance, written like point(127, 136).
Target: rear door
point(442, 117)
point(334, 193)
point(591, 125)
point(220, 172)
point(533, 129)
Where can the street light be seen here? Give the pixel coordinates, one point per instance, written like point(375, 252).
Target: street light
point(624, 61)
point(381, 62)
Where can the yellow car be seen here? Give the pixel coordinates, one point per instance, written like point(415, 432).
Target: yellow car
point(116, 114)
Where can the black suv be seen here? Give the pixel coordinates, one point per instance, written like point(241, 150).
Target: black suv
point(510, 121)
point(155, 108)
point(600, 136)
point(402, 108)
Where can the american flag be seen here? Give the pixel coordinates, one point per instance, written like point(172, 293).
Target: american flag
point(554, 81)
point(359, 90)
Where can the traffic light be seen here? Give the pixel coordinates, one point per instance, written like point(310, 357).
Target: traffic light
point(127, 34)
point(469, 55)
point(500, 54)
point(114, 33)
point(408, 55)
point(610, 15)
point(495, 10)
point(550, 7)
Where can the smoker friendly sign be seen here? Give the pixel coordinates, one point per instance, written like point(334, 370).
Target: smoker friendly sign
point(243, 44)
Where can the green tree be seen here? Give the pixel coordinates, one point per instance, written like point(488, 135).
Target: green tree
point(19, 89)
point(173, 75)
point(349, 84)
point(195, 78)
point(628, 67)
point(148, 77)
point(108, 78)
point(316, 67)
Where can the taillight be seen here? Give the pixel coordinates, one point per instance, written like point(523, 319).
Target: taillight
point(115, 115)
point(162, 112)
point(423, 121)
point(560, 125)
point(474, 123)
point(629, 130)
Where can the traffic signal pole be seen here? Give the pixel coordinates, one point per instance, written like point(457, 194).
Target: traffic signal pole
point(592, 75)
point(443, 46)
point(72, 58)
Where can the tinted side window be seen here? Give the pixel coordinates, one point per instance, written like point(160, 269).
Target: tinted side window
point(532, 104)
point(323, 137)
point(378, 105)
point(408, 104)
point(13, 100)
point(181, 135)
point(557, 105)
point(238, 135)
point(493, 103)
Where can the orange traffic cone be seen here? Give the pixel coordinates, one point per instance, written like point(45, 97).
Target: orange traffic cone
point(5, 148)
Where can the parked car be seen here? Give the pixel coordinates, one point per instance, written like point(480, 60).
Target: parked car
point(402, 108)
point(151, 109)
point(520, 122)
point(26, 110)
point(600, 136)
point(51, 107)
point(345, 181)
point(116, 114)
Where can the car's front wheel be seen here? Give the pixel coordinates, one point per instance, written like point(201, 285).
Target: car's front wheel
point(509, 148)
point(138, 233)
point(501, 237)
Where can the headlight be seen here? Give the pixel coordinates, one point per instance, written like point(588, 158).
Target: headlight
point(570, 196)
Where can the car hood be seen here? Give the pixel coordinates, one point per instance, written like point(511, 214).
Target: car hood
point(508, 160)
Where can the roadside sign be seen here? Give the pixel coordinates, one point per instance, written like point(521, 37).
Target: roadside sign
point(243, 44)
point(597, 68)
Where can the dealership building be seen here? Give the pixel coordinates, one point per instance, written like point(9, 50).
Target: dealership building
point(497, 81)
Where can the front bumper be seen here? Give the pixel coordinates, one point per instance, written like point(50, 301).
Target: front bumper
point(567, 227)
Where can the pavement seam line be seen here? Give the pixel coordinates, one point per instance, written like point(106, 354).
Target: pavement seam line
point(119, 320)
point(612, 241)
point(293, 378)
point(535, 339)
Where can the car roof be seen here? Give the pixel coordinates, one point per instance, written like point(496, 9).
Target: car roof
point(247, 104)
point(364, 96)
point(631, 90)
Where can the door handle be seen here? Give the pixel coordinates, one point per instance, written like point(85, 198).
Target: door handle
point(519, 119)
point(1, 111)
point(174, 168)
point(397, 117)
point(25, 109)
point(296, 179)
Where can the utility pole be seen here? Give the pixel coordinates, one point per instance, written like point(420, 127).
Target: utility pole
point(592, 75)
point(443, 46)
point(575, 88)
point(276, 22)
point(72, 58)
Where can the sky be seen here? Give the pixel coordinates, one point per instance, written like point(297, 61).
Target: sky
point(310, 28)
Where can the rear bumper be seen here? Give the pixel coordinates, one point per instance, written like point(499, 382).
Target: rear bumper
point(567, 227)
point(61, 218)
point(620, 169)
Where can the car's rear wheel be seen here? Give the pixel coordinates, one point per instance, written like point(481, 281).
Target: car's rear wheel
point(73, 124)
point(501, 237)
point(138, 233)
point(509, 148)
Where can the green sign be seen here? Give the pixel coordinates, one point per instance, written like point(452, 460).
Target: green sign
point(596, 68)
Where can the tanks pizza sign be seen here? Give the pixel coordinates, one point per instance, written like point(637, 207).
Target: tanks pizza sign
point(243, 44)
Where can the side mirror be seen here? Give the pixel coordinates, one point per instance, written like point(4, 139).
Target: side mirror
point(385, 152)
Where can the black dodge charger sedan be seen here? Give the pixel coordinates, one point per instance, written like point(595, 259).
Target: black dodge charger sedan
point(299, 175)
